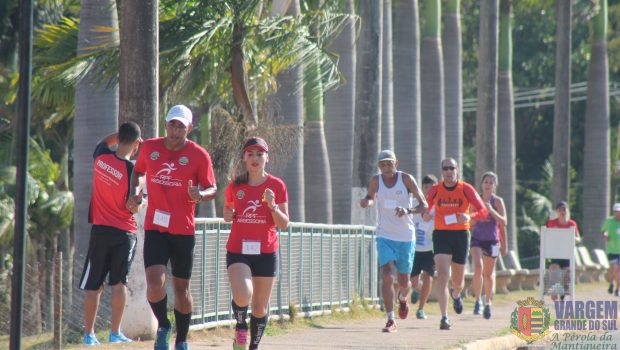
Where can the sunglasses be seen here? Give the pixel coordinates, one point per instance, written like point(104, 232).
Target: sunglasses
point(446, 168)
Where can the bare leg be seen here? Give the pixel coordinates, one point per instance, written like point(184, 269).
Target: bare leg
point(488, 273)
point(387, 287)
point(476, 283)
point(427, 281)
point(458, 278)
point(91, 304)
point(442, 263)
point(240, 277)
point(119, 296)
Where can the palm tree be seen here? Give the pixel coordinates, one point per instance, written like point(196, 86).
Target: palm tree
point(289, 105)
point(486, 114)
point(433, 112)
point(406, 38)
point(561, 112)
point(506, 149)
point(316, 160)
point(387, 98)
point(367, 106)
point(339, 117)
point(96, 114)
point(139, 65)
point(596, 155)
point(452, 65)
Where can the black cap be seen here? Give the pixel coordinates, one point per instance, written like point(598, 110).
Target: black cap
point(561, 204)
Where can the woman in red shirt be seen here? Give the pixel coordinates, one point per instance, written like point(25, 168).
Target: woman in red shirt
point(562, 220)
point(256, 202)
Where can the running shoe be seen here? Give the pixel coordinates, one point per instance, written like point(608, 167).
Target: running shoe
point(162, 341)
point(420, 314)
point(390, 327)
point(478, 307)
point(403, 309)
point(241, 339)
point(457, 304)
point(415, 296)
point(181, 346)
point(610, 290)
point(118, 338)
point(90, 339)
point(444, 323)
point(487, 311)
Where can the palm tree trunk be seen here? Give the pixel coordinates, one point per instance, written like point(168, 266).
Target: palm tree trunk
point(596, 156)
point(486, 115)
point(506, 147)
point(318, 184)
point(387, 98)
point(288, 104)
point(139, 65)
point(452, 65)
point(406, 32)
point(561, 112)
point(367, 107)
point(433, 110)
point(339, 117)
point(96, 115)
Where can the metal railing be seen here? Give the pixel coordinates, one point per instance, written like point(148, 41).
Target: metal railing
point(322, 267)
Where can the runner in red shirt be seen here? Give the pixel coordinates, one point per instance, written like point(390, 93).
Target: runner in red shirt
point(178, 175)
point(112, 238)
point(452, 199)
point(256, 202)
point(562, 220)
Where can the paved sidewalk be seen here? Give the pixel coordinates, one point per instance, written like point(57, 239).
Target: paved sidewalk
point(468, 331)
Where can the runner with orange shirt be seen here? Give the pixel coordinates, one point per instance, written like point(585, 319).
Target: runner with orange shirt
point(452, 199)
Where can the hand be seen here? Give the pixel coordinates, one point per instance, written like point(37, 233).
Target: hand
point(193, 191)
point(269, 197)
point(133, 203)
point(427, 216)
point(462, 218)
point(229, 214)
point(400, 211)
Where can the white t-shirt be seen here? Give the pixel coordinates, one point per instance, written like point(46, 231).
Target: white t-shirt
point(389, 225)
point(424, 233)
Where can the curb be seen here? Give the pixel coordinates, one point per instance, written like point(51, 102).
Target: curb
point(509, 341)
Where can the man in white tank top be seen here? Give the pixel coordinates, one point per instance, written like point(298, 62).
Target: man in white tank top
point(392, 190)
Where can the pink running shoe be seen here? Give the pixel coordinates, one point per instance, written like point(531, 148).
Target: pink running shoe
point(390, 327)
point(403, 309)
point(241, 339)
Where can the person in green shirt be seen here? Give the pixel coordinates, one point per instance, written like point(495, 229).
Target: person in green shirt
point(611, 232)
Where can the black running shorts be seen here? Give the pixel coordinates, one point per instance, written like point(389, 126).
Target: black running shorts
point(110, 251)
point(423, 261)
point(455, 243)
point(159, 247)
point(263, 265)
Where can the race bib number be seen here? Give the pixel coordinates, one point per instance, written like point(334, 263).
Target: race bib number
point(450, 219)
point(390, 204)
point(251, 248)
point(420, 237)
point(161, 218)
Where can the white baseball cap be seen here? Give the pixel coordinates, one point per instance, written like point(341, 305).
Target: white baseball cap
point(386, 154)
point(180, 113)
point(617, 207)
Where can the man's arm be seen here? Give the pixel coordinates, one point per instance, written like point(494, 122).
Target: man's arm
point(475, 201)
point(413, 187)
point(135, 194)
point(369, 200)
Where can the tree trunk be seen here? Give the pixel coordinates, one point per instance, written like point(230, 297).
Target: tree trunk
point(561, 112)
point(506, 147)
point(96, 115)
point(288, 105)
point(596, 156)
point(139, 65)
point(387, 75)
point(339, 117)
point(433, 112)
point(452, 65)
point(406, 32)
point(486, 115)
point(367, 107)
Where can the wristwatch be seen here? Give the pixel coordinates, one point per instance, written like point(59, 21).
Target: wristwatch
point(275, 208)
